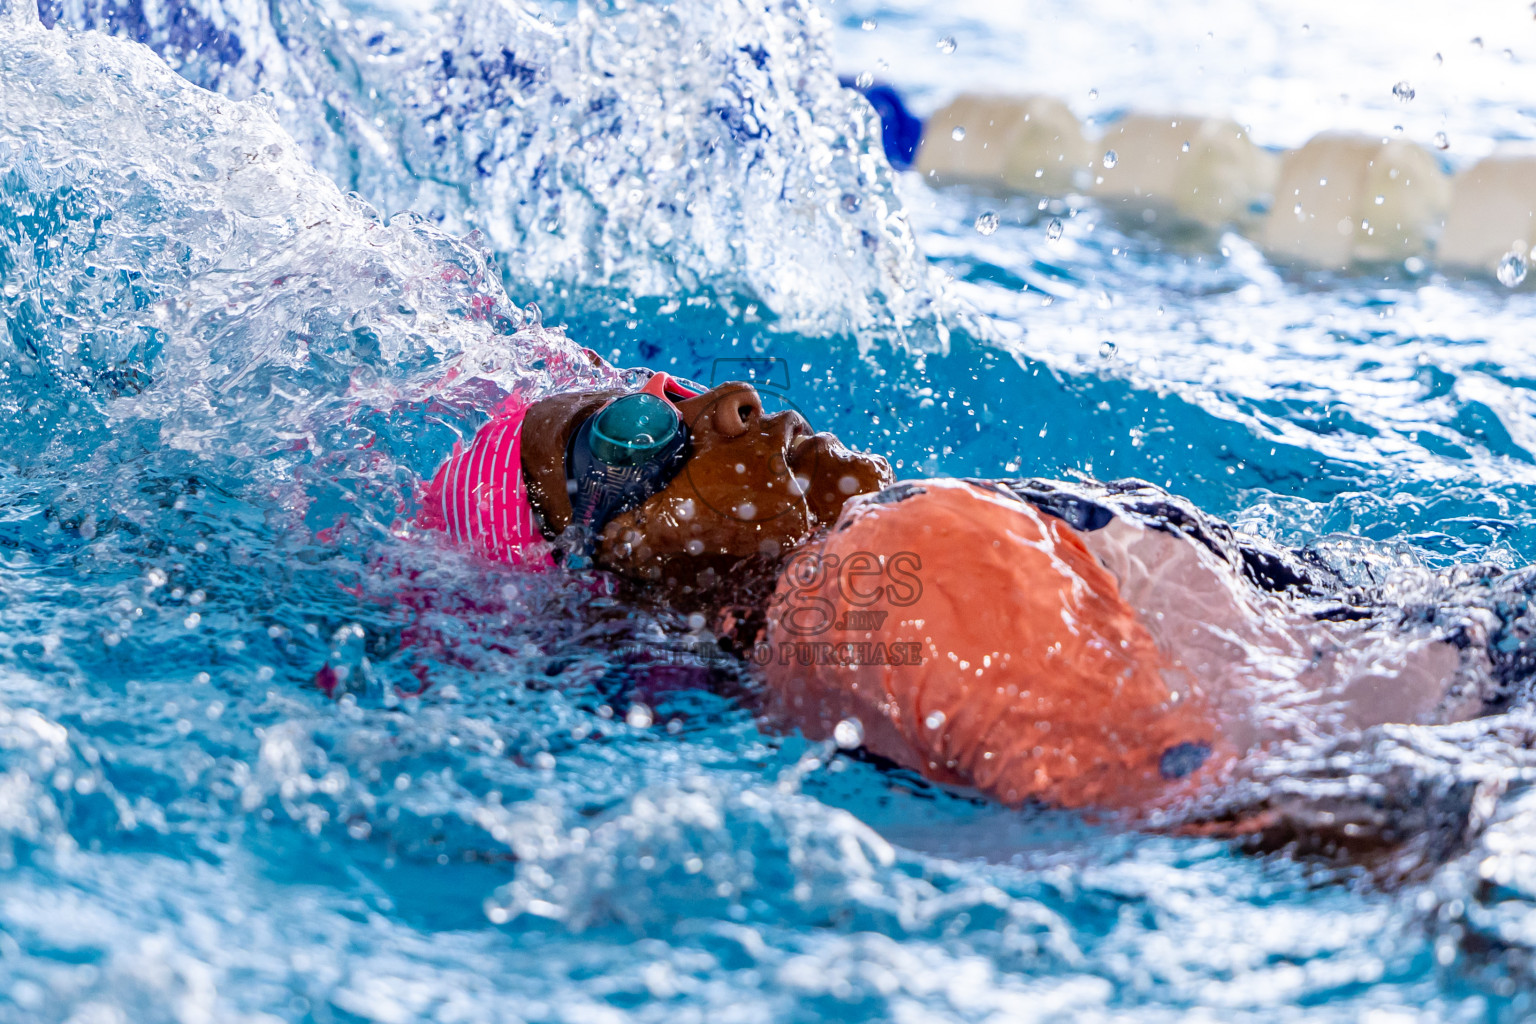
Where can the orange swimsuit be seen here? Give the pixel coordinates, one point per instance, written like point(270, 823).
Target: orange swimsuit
point(976, 640)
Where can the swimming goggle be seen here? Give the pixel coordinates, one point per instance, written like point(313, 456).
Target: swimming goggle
point(624, 453)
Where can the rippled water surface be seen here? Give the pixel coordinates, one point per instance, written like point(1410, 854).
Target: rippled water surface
point(239, 326)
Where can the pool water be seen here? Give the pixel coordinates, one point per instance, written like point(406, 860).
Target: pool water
point(242, 325)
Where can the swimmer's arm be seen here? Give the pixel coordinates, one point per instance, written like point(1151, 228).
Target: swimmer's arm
point(1374, 799)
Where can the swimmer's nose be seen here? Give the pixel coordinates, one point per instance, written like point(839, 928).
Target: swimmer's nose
point(1181, 759)
point(737, 411)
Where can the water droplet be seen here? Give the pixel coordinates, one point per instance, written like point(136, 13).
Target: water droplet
point(1111, 158)
point(1403, 91)
point(1093, 94)
point(638, 716)
point(959, 133)
point(1477, 41)
point(947, 44)
point(869, 25)
point(1108, 349)
point(1380, 200)
point(1053, 229)
point(935, 720)
point(865, 79)
point(1439, 59)
point(1413, 265)
point(851, 203)
point(986, 224)
point(1185, 147)
point(1512, 269)
point(849, 733)
point(1296, 209)
point(1441, 142)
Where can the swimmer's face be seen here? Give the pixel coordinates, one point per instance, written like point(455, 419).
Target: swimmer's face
point(755, 485)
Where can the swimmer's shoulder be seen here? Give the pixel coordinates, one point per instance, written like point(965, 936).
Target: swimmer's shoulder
point(1088, 505)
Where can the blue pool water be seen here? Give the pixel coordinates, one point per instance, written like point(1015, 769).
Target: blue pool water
point(240, 325)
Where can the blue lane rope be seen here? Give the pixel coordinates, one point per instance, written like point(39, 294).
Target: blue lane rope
point(900, 130)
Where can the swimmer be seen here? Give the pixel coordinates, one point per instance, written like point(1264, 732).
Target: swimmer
point(1082, 645)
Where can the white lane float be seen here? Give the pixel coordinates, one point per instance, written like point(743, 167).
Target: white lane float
point(1203, 169)
point(1492, 219)
point(1340, 200)
point(1343, 199)
point(1030, 144)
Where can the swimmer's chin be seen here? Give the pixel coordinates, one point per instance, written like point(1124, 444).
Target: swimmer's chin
point(830, 474)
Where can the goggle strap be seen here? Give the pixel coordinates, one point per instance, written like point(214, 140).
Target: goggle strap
point(667, 387)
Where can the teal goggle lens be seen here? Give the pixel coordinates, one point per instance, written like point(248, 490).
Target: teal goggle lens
point(633, 429)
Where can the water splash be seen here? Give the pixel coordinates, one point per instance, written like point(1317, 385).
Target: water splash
point(179, 800)
point(170, 257)
point(695, 150)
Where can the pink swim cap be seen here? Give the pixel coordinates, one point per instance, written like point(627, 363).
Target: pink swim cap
point(478, 497)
